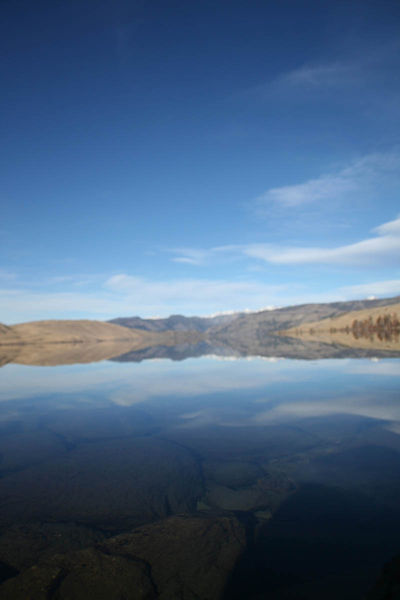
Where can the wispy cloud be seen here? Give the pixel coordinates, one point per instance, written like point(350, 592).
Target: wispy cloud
point(362, 175)
point(202, 256)
point(364, 82)
point(317, 75)
point(325, 187)
point(307, 78)
point(349, 74)
point(380, 250)
point(191, 256)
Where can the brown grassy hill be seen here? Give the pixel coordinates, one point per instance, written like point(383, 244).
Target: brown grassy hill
point(45, 332)
point(49, 355)
point(50, 343)
point(346, 319)
point(7, 335)
point(371, 327)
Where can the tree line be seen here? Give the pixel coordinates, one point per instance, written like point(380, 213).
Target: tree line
point(384, 326)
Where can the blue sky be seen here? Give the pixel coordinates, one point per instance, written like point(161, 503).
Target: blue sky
point(197, 157)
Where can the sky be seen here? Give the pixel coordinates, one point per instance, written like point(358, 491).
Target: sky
point(197, 157)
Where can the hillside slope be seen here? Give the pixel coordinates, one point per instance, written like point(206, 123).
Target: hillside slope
point(54, 331)
point(378, 327)
point(7, 335)
point(346, 320)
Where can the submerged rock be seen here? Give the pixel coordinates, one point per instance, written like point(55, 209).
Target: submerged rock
point(244, 486)
point(24, 545)
point(183, 557)
point(232, 473)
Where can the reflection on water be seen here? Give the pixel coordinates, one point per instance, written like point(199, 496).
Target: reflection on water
point(381, 335)
point(356, 342)
point(386, 327)
point(288, 469)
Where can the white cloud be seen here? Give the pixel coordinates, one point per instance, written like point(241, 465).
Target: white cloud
point(362, 175)
point(201, 256)
point(325, 187)
point(390, 228)
point(191, 256)
point(382, 250)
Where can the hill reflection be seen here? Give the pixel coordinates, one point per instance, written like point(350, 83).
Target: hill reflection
point(306, 347)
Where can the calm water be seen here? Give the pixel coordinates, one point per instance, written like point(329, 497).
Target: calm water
point(306, 453)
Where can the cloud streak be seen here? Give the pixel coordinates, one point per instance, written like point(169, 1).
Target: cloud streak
point(363, 71)
point(362, 175)
point(308, 78)
point(381, 250)
point(201, 256)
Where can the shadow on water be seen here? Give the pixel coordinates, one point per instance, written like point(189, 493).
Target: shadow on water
point(323, 542)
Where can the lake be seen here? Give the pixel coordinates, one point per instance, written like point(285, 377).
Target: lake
point(301, 456)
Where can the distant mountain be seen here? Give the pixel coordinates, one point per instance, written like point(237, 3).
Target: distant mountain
point(256, 323)
point(176, 322)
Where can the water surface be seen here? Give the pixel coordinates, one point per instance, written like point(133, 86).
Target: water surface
point(305, 453)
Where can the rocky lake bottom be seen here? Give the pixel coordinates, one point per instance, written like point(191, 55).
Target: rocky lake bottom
point(205, 478)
